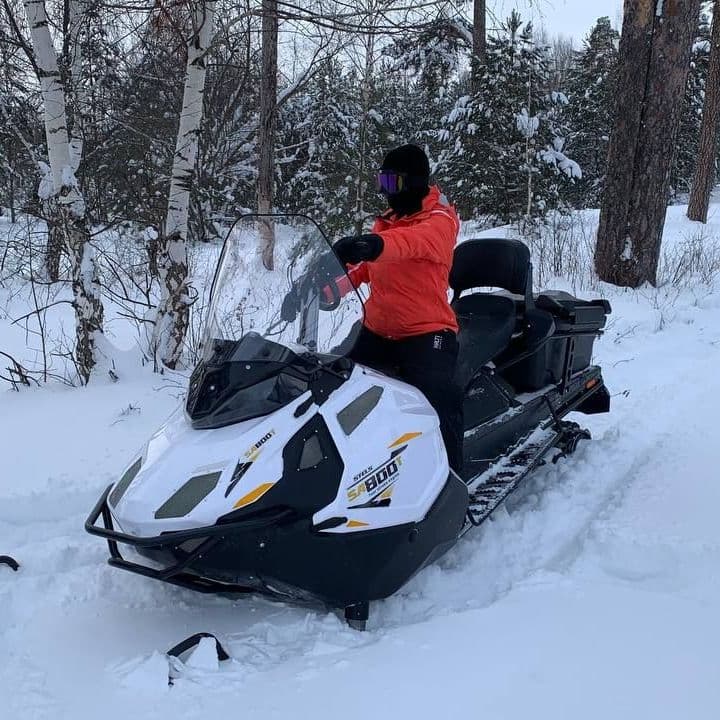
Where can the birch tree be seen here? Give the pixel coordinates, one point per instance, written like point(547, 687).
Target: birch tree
point(59, 187)
point(173, 313)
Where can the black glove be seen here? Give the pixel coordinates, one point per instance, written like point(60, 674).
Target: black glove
point(358, 248)
point(328, 295)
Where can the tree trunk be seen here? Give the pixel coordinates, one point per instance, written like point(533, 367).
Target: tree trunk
point(367, 93)
point(173, 315)
point(479, 43)
point(12, 198)
point(87, 301)
point(705, 172)
point(67, 226)
point(268, 127)
point(77, 87)
point(53, 94)
point(654, 61)
point(55, 243)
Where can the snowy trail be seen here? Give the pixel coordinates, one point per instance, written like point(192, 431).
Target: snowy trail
point(598, 593)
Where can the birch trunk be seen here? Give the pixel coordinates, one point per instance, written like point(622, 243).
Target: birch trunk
point(77, 92)
point(59, 189)
point(268, 127)
point(705, 171)
point(173, 313)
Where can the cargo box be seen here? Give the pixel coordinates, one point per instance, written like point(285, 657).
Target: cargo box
point(567, 351)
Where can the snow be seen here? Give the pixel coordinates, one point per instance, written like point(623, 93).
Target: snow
point(527, 125)
point(627, 253)
point(594, 594)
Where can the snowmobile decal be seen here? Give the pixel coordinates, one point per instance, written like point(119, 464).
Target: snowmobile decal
point(375, 483)
point(251, 455)
point(240, 469)
point(404, 438)
point(374, 486)
point(356, 524)
point(253, 495)
point(254, 450)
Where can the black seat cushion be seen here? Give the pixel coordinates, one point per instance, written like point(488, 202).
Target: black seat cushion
point(487, 323)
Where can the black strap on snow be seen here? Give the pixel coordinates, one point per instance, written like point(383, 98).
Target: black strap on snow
point(190, 643)
point(7, 560)
point(193, 641)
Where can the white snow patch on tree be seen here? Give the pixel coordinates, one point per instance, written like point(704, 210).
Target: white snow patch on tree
point(526, 124)
point(627, 253)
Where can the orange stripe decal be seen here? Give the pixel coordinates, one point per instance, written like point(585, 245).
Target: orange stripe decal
point(253, 495)
point(356, 523)
point(405, 438)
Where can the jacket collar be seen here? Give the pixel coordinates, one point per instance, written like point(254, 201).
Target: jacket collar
point(430, 201)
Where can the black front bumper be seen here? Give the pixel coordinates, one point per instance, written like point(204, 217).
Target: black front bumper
point(172, 546)
point(282, 555)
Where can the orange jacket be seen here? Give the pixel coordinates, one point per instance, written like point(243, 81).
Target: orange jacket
point(409, 281)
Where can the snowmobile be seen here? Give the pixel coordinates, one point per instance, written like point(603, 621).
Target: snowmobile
point(293, 472)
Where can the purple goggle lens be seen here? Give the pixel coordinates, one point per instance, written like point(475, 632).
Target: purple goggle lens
point(391, 182)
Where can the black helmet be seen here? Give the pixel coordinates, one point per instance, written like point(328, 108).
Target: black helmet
point(404, 178)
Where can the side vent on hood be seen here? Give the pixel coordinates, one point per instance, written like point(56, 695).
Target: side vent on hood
point(353, 414)
point(188, 496)
point(312, 453)
point(124, 482)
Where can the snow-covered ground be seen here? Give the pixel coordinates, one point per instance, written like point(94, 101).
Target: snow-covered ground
point(595, 595)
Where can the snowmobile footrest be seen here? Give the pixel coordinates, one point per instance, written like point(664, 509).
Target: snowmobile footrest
point(489, 490)
point(356, 615)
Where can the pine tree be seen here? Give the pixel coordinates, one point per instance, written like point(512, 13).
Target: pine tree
point(503, 153)
point(688, 135)
point(705, 173)
point(590, 110)
point(138, 149)
point(21, 133)
point(423, 74)
point(320, 130)
point(654, 58)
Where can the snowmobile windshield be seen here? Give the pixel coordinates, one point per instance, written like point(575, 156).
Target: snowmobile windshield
point(278, 278)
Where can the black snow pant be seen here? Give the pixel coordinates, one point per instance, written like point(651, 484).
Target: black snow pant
point(427, 362)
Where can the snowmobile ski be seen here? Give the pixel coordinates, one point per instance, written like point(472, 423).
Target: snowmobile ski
point(11, 562)
point(179, 653)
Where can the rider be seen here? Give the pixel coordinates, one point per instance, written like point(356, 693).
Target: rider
point(409, 324)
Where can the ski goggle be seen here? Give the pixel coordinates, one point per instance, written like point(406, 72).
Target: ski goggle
point(390, 182)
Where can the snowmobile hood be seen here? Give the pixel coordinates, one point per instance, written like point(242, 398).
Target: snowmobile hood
point(187, 478)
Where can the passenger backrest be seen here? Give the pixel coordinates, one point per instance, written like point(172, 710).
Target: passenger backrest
point(492, 262)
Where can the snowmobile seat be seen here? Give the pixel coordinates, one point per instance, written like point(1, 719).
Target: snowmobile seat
point(487, 323)
point(487, 320)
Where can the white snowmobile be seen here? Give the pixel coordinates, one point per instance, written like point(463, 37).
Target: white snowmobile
point(294, 472)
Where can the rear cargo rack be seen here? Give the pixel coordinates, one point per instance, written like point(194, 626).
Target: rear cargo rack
point(563, 353)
